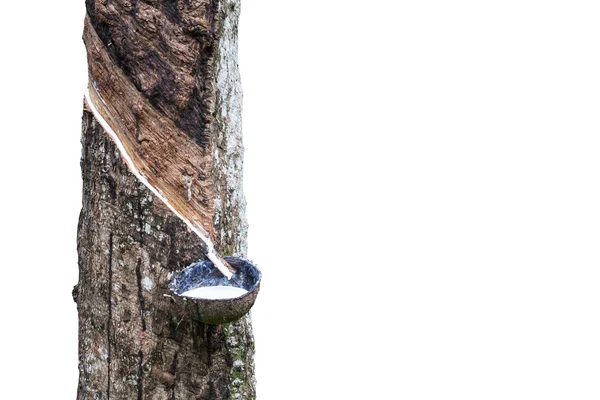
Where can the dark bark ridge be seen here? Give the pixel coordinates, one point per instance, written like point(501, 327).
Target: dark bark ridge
point(135, 341)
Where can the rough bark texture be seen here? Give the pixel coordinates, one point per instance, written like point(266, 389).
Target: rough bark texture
point(135, 343)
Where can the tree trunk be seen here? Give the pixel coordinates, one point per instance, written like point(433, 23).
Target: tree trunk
point(134, 342)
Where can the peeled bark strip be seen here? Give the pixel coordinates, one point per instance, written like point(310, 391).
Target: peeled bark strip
point(135, 343)
point(166, 157)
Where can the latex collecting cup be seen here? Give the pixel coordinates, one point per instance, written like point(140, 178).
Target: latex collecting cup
point(210, 297)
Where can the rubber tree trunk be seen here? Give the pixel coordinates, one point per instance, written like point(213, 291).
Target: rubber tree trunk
point(134, 343)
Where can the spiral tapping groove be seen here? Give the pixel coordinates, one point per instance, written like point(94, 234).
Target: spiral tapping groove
point(162, 157)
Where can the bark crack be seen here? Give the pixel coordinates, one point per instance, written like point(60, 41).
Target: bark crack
point(108, 325)
point(140, 382)
point(140, 217)
point(173, 371)
point(138, 274)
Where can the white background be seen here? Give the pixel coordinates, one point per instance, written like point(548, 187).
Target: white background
point(423, 195)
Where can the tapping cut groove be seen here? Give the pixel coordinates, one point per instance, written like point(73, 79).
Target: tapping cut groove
point(156, 151)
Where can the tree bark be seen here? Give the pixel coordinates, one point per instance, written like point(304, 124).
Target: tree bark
point(134, 342)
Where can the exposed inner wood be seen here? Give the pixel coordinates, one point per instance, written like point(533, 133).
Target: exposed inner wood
point(168, 159)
